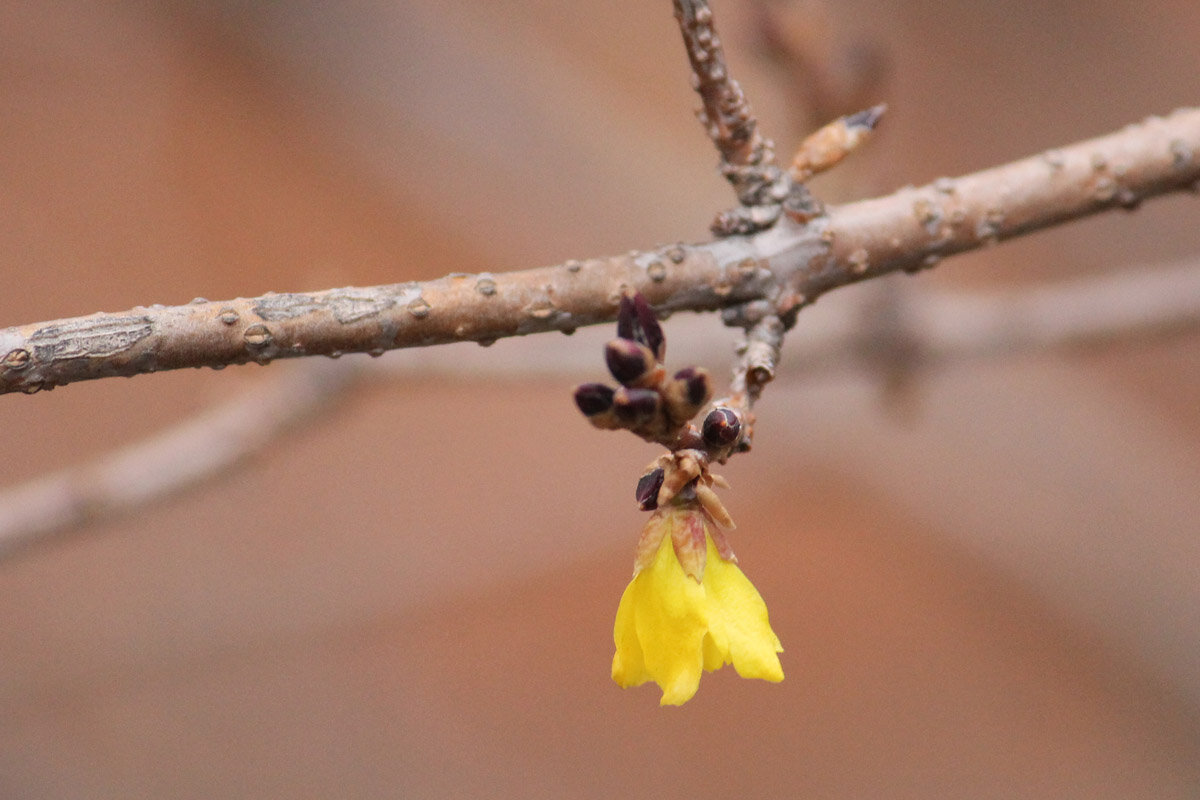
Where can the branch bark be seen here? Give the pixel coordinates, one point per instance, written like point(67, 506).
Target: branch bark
point(747, 159)
point(788, 265)
point(941, 327)
point(914, 228)
point(726, 113)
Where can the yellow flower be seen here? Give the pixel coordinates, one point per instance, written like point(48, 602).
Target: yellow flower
point(689, 607)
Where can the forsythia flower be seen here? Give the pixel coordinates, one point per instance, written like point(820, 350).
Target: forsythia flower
point(689, 607)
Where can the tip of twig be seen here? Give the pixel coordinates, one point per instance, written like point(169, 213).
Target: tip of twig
point(868, 118)
point(829, 145)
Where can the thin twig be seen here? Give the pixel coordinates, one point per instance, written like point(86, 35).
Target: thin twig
point(726, 113)
point(758, 356)
point(789, 265)
point(747, 159)
point(943, 328)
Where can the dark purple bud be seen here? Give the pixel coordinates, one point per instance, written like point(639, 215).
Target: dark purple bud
point(647, 489)
point(652, 332)
point(627, 360)
point(593, 398)
point(698, 386)
point(686, 393)
point(626, 318)
point(635, 406)
point(721, 428)
point(636, 322)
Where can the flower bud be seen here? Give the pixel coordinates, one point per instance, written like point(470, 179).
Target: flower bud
point(635, 407)
point(628, 361)
point(687, 393)
point(647, 489)
point(721, 428)
point(626, 318)
point(636, 322)
point(593, 398)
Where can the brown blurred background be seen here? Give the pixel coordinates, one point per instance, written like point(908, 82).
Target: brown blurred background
point(993, 593)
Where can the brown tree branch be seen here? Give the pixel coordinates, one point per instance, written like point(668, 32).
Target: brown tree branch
point(758, 356)
point(914, 228)
point(787, 265)
point(941, 327)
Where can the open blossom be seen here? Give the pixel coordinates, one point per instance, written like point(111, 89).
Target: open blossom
point(689, 607)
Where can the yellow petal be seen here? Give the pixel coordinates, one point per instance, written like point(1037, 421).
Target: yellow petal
point(628, 667)
point(715, 655)
point(660, 628)
point(737, 619)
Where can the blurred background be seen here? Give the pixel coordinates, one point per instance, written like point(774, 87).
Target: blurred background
point(986, 576)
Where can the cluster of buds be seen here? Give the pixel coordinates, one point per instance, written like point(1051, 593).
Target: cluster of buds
point(688, 607)
point(661, 409)
point(648, 403)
